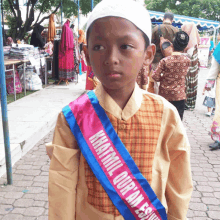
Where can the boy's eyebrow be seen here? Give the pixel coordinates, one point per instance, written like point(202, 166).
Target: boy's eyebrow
point(127, 36)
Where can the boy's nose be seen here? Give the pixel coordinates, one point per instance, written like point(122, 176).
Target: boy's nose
point(112, 57)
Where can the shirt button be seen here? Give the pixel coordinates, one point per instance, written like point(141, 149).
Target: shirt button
point(122, 126)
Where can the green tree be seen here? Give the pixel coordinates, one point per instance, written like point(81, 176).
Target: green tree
point(208, 9)
point(36, 8)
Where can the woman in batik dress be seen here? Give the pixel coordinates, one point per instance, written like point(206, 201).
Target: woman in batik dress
point(212, 78)
point(192, 76)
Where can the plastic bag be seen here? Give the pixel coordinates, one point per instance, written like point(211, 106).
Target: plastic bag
point(33, 82)
point(10, 83)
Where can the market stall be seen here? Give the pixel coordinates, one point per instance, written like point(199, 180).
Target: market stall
point(202, 24)
point(23, 66)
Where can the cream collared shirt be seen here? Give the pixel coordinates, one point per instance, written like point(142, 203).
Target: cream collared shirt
point(171, 173)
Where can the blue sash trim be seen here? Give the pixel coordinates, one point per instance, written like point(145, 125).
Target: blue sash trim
point(94, 165)
point(97, 170)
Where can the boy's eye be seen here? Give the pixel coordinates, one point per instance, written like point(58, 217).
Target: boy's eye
point(126, 47)
point(98, 47)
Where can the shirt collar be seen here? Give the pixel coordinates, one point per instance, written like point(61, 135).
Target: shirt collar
point(167, 23)
point(132, 106)
point(176, 53)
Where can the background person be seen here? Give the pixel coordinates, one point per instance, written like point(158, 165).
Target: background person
point(168, 31)
point(36, 37)
point(192, 75)
point(171, 73)
point(209, 100)
point(212, 78)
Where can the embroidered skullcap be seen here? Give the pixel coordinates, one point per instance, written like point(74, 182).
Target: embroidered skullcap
point(128, 9)
point(181, 40)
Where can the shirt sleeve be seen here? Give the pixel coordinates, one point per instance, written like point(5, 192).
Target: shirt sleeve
point(179, 183)
point(214, 70)
point(144, 75)
point(156, 75)
point(63, 172)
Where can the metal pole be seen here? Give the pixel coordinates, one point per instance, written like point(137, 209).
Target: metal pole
point(78, 17)
point(92, 3)
point(61, 7)
point(214, 37)
point(3, 28)
point(5, 113)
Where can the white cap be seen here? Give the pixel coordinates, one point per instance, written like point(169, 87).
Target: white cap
point(128, 9)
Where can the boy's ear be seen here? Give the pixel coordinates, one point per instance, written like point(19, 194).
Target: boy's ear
point(149, 54)
point(85, 49)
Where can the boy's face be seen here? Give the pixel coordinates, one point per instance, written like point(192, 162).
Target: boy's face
point(116, 52)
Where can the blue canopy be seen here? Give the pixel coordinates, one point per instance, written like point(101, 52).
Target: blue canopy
point(202, 24)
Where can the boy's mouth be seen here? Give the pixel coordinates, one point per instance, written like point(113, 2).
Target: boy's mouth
point(114, 74)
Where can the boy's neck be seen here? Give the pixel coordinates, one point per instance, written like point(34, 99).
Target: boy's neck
point(121, 95)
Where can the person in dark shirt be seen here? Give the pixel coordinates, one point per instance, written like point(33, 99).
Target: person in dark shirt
point(171, 73)
point(168, 32)
point(36, 38)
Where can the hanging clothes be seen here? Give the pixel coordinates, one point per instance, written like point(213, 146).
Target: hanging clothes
point(81, 39)
point(55, 69)
point(66, 56)
point(91, 80)
point(75, 51)
point(36, 38)
point(83, 62)
point(51, 29)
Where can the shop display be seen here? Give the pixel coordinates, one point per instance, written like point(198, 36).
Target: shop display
point(203, 51)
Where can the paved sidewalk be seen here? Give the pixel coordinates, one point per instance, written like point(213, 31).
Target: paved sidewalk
point(27, 198)
point(205, 201)
point(33, 116)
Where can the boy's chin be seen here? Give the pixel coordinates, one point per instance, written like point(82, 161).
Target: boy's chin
point(115, 86)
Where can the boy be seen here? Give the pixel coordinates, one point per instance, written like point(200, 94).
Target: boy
point(171, 73)
point(108, 143)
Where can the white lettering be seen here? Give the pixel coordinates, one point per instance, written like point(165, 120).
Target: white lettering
point(144, 206)
point(133, 196)
point(103, 148)
point(128, 188)
point(140, 213)
point(120, 177)
point(106, 152)
point(112, 158)
point(148, 210)
point(112, 166)
point(123, 183)
point(96, 136)
point(99, 142)
point(115, 168)
point(137, 201)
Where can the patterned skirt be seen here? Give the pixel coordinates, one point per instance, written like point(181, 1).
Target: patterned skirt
point(76, 63)
point(215, 128)
point(192, 81)
point(66, 65)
